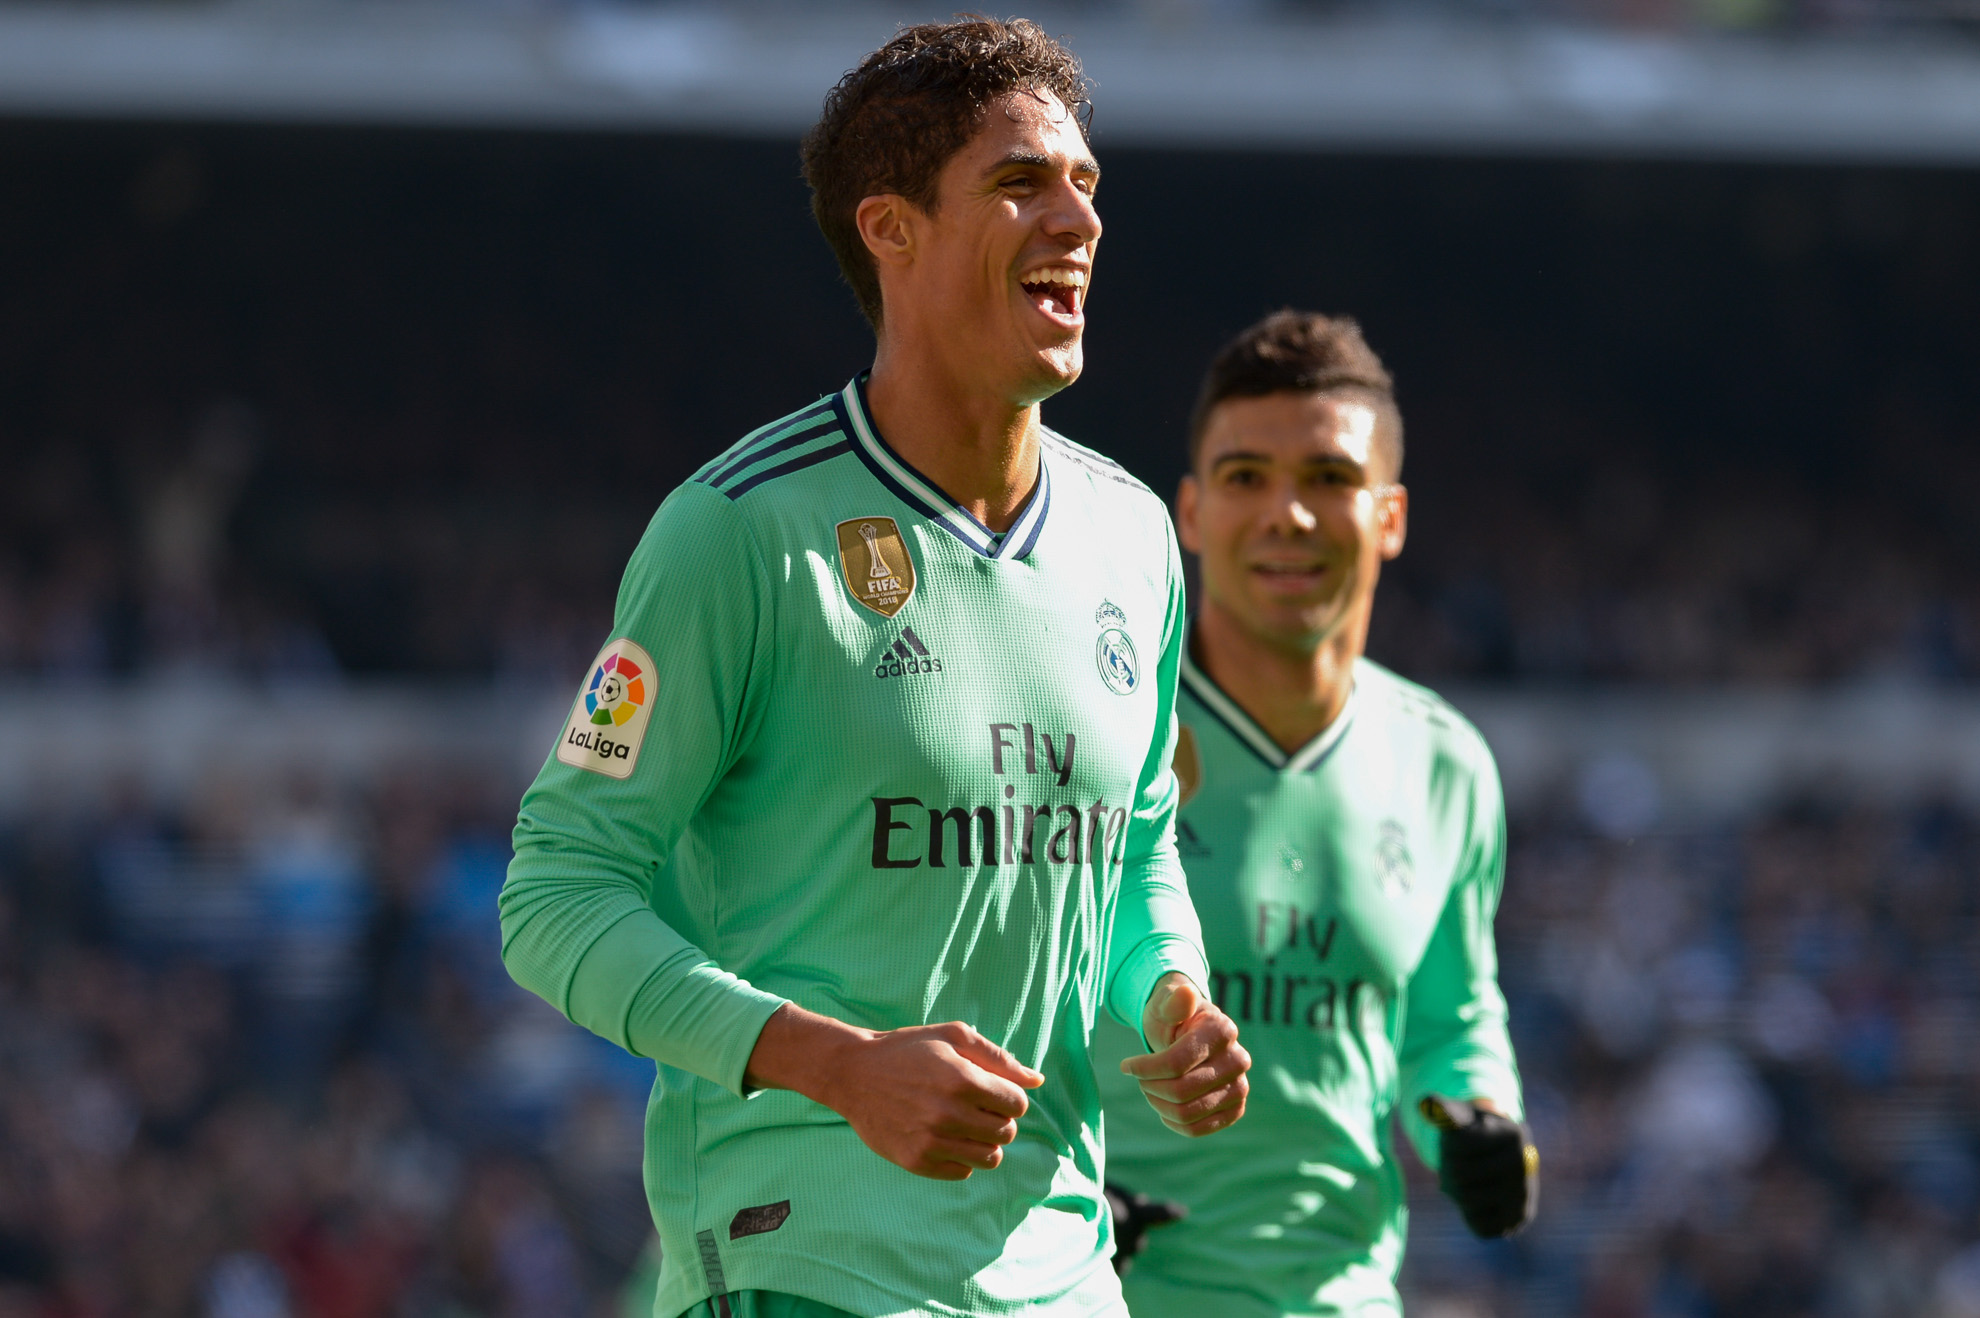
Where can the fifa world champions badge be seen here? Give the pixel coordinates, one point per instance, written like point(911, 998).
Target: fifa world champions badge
point(873, 559)
point(608, 720)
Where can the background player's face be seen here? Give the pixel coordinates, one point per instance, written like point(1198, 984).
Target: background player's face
point(1291, 511)
point(1000, 265)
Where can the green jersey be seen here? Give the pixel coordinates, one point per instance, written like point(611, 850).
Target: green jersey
point(850, 749)
point(1347, 893)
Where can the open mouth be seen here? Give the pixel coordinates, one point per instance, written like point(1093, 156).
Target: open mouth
point(1290, 576)
point(1057, 290)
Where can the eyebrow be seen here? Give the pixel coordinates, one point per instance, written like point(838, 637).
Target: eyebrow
point(1039, 160)
point(1323, 460)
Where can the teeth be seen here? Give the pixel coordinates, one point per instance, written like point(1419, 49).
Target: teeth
point(1058, 275)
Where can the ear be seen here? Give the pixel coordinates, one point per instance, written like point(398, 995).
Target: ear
point(1188, 495)
point(1393, 526)
point(886, 225)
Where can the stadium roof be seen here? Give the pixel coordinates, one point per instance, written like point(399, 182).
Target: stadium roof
point(1379, 82)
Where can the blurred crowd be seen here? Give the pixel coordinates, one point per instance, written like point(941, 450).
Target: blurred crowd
point(286, 406)
point(1630, 583)
point(1850, 16)
point(1756, 584)
point(259, 1059)
point(1748, 1058)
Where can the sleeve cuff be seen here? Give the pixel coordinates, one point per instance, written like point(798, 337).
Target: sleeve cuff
point(1468, 1079)
point(1157, 955)
point(685, 1012)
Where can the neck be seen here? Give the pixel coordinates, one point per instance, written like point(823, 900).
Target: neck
point(1293, 692)
point(970, 438)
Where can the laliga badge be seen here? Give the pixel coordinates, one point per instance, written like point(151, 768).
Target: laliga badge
point(873, 558)
point(608, 721)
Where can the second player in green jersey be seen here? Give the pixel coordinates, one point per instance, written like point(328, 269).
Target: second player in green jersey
point(1345, 841)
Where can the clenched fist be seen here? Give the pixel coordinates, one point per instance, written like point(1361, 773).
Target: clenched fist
point(1195, 1080)
point(940, 1100)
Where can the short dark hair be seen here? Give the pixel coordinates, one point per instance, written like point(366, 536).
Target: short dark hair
point(891, 124)
point(1300, 352)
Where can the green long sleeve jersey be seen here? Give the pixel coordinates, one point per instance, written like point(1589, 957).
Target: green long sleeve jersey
point(850, 749)
point(1347, 893)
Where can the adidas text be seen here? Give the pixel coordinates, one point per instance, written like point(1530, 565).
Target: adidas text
point(907, 667)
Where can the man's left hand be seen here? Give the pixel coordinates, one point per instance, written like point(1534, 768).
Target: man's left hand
point(1490, 1167)
point(1195, 1080)
point(1135, 1215)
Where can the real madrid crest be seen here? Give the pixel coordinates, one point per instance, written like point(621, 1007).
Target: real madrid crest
point(873, 558)
point(1393, 868)
point(1114, 651)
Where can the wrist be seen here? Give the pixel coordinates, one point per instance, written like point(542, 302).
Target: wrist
point(804, 1052)
point(1157, 1021)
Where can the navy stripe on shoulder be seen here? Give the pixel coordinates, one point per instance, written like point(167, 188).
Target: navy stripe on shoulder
point(812, 433)
point(741, 488)
point(762, 441)
point(1099, 464)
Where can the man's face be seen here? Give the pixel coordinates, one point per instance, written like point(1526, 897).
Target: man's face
point(1003, 260)
point(1291, 512)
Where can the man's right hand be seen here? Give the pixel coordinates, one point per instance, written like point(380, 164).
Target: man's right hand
point(940, 1100)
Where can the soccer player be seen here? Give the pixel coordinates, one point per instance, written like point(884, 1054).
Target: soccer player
point(1345, 842)
point(865, 812)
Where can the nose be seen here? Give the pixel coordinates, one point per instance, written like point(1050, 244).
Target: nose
point(1074, 216)
point(1291, 516)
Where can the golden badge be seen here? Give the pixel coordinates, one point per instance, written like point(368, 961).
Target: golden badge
point(1187, 763)
point(873, 558)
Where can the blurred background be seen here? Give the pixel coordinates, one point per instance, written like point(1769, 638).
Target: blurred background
point(346, 347)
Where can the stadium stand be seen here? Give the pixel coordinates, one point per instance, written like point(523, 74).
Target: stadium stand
point(295, 412)
point(261, 1058)
point(299, 403)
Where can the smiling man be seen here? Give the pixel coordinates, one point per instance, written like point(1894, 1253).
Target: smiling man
point(864, 814)
point(1345, 842)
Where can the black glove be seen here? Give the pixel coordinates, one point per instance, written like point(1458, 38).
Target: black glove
point(1134, 1215)
point(1491, 1170)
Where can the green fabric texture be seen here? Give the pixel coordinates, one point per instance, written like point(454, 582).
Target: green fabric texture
point(1347, 893)
point(1352, 1295)
point(961, 809)
point(762, 1304)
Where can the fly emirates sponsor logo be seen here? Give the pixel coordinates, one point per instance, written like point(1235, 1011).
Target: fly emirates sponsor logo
point(1273, 994)
point(909, 832)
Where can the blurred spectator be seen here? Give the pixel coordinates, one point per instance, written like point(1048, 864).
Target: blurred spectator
point(1746, 1046)
point(355, 430)
point(298, 1114)
point(1782, 1127)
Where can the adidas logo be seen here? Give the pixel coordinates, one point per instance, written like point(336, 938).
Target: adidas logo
point(1187, 841)
point(907, 657)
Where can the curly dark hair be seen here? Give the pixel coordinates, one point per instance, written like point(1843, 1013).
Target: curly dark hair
point(892, 123)
point(1301, 352)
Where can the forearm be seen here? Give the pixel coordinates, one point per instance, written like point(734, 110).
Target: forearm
point(1156, 933)
point(1474, 1064)
point(597, 952)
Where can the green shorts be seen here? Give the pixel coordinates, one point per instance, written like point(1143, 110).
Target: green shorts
point(763, 1304)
